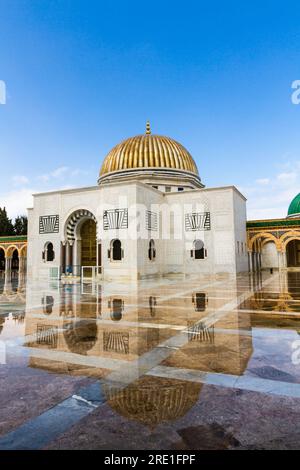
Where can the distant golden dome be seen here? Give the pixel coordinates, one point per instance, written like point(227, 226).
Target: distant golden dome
point(148, 151)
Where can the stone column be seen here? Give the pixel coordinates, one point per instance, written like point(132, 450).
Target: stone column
point(250, 261)
point(7, 288)
point(77, 256)
point(8, 261)
point(257, 261)
point(260, 260)
point(280, 260)
point(22, 261)
point(21, 278)
point(68, 257)
point(253, 261)
point(69, 252)
point(62, 261)
point(284, 262)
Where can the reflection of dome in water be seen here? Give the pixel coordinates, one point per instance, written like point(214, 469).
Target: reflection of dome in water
point(153, 400)
point(80, 335)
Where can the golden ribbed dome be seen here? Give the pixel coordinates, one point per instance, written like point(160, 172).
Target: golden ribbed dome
point(148, 151)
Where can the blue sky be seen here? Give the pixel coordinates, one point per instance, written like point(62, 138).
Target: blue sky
point(82, 75)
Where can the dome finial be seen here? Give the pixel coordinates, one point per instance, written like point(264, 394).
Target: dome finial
point(148, 129)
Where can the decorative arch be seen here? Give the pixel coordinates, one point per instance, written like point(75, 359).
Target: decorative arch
point(48, 253)
point(2, 258)
point(287, 241)
point(23, 251)
point(264, 236)
point(265, 241)
point(11, 249)
point(289, 234)
point(116, 252)
point(151, 250)
point(291, 248)
point(73, 221)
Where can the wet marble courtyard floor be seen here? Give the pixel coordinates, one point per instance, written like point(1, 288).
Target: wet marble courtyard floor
point(168, 364)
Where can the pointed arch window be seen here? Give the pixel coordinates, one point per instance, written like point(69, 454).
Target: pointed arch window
point(48, 254)
point(116, 252)
point(198, 251)
point(151, 250)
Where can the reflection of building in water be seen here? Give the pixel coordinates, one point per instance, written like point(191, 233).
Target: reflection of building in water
point(116, 307)
point(286, 300)
point(2, 321)
point(19, 317)
point(69, 321)
point(80, 335)
point(200, 332)
point(47, 302)
point(199, 301)
point(116, 341)
point(12, 290)
point(126, 333)
point(153, 400)
point(46, 335)
point(152, 305)
point(224, 345)
point(11, 321)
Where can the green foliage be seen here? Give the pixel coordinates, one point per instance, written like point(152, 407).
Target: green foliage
point(7, 227)
point(20, 227)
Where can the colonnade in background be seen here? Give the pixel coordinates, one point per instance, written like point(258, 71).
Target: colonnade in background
point(255, 257)
point(13, 258)
point(14, 282)
point(273, 250)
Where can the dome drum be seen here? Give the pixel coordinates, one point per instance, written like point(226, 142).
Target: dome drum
point(153, 176)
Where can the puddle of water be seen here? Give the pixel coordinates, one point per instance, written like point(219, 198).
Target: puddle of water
point(152, 347)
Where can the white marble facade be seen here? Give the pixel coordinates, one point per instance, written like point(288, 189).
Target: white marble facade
point(221, 232)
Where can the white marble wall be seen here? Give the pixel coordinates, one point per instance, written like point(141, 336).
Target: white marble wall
point(172, 242)
point(269, 256)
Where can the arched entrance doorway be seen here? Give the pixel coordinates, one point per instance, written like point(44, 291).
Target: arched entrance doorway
point(88, 243)
point(81, 247)
point(293, 254)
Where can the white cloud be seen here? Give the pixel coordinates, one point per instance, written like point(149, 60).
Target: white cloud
point(17, 201)
point(20, 180)
point(59, 172)
point(19, 197)
point(263, 181)
point(270, 197)
point(55, 174)
point(287, 177)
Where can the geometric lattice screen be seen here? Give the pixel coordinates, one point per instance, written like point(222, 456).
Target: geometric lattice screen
point(197, 221)
point(115, 218)
point(151, 220)
point(49, 224)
